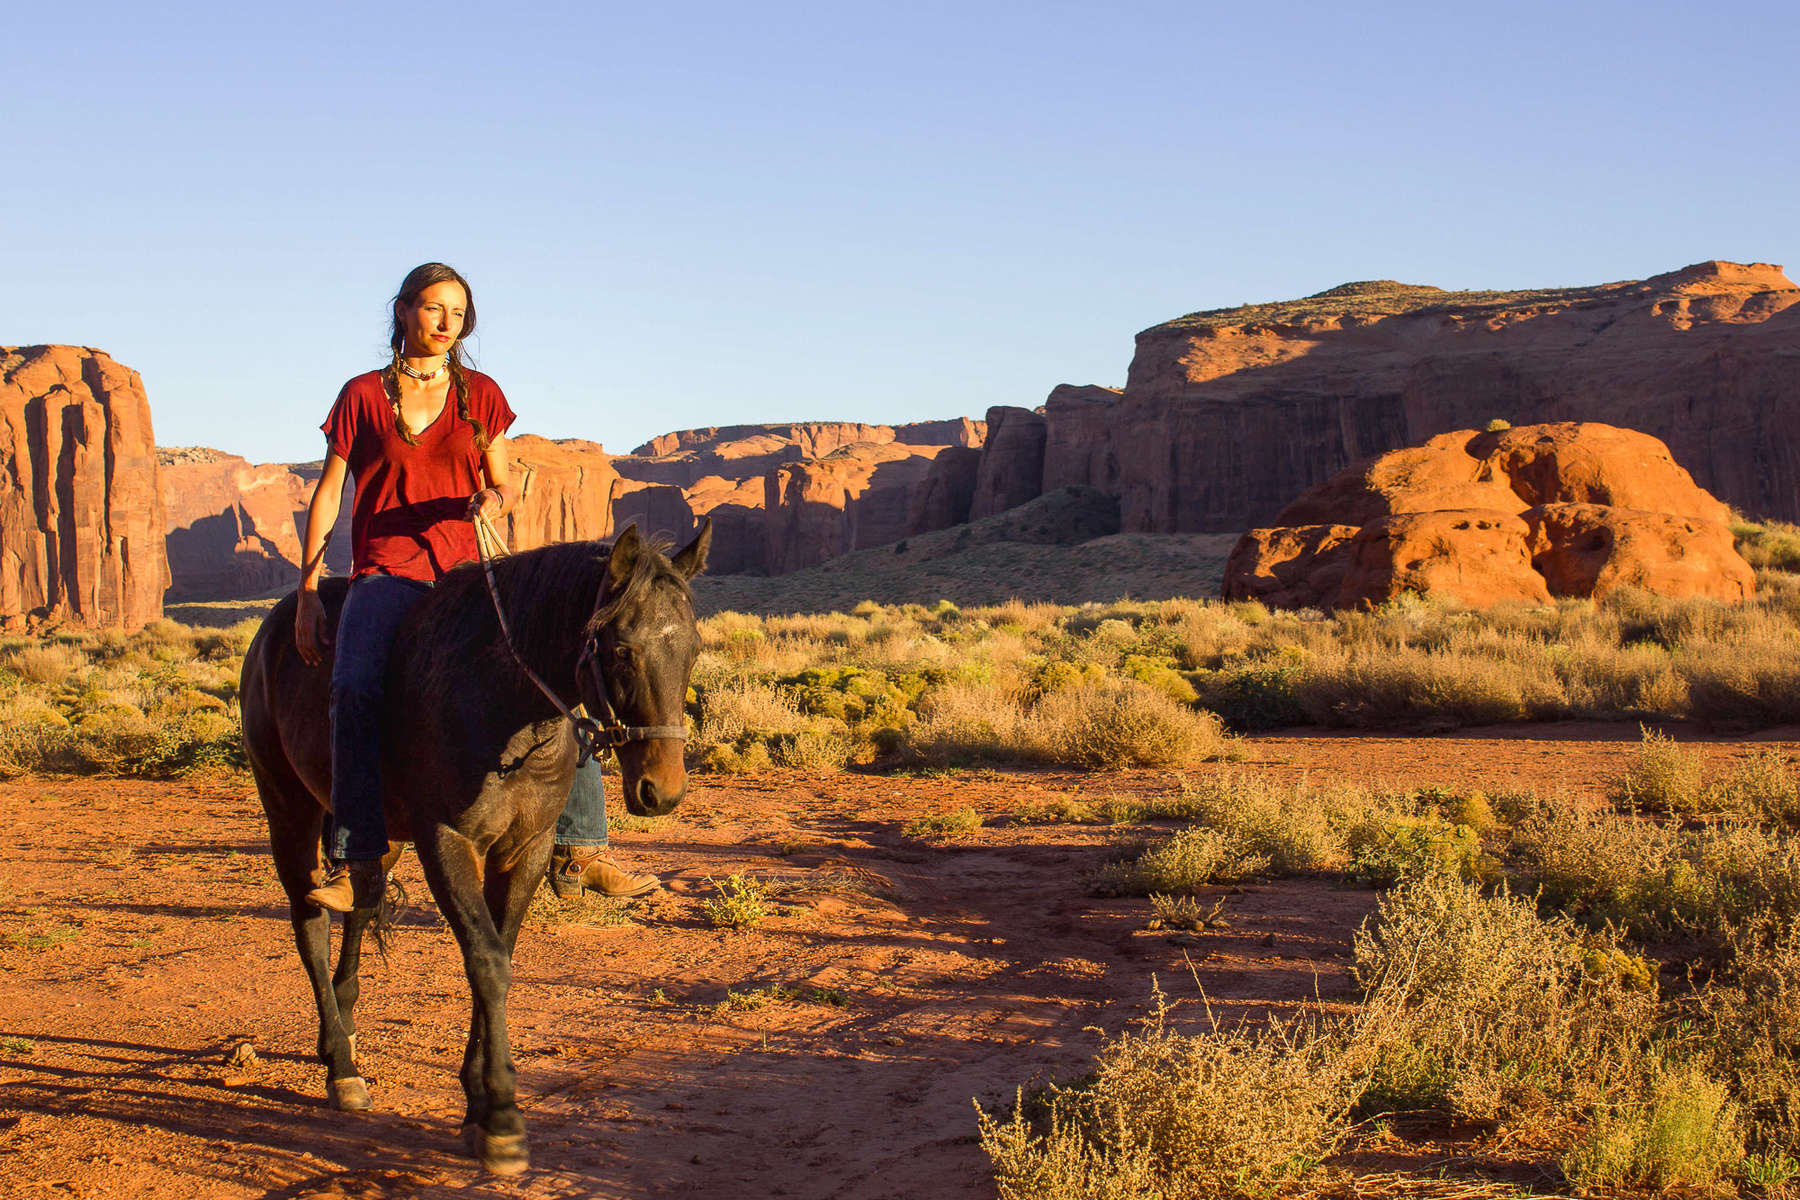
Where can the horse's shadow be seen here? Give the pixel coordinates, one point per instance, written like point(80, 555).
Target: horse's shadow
point(284, 1127)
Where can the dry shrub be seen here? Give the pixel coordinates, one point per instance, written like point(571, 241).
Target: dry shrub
point(167, 641)
point(1747, 1022)
point(1108, 724)
point(1752, 678)
point(1768, 545)
point(1479, 1007)
point(970, 722)
point(1122, 723)
point(1668, 778)
point(1682, 1129)
point(1290, 827)
point(1189, 859)
point(50, 664)
point(1766, 786)
point(1656, 880)
point(752, 726)
point(1407, 686)
point(34, 736)
point(817, 750)
point(1226, 1113)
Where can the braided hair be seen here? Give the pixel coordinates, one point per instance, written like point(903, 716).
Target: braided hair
point(416, 281)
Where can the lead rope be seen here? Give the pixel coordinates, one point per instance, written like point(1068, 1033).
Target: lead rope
point(588, 732)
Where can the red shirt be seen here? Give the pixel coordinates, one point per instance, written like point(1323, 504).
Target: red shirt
point(410, 499)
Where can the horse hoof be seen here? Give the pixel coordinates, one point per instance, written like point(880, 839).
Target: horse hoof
point(504, 1154)
point(350, 1094)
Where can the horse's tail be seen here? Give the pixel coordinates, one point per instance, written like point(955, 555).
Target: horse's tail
point(393, 902)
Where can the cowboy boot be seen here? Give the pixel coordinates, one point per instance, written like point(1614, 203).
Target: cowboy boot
point(574, 869)
point(357, 883)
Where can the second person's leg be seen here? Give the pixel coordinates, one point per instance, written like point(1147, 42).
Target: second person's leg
point(580, 860)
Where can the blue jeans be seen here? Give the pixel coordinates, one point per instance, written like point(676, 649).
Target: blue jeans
point(373, 613)
point(583, 820)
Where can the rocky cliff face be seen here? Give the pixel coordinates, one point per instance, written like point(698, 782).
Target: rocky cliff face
point(81, 519)
point(232, 527)
point(1012, 461)
point(1227, 414)
point(566, 491)
point(854, 498)
point(235, 529)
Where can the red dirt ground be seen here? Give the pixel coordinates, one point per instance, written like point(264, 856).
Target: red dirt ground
point(142, 937)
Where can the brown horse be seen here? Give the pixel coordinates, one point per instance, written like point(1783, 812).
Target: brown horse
point(477, 764)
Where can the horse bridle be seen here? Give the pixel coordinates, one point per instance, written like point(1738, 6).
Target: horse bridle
point(592, 736)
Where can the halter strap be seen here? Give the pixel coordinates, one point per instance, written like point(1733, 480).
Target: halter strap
point(591, 736)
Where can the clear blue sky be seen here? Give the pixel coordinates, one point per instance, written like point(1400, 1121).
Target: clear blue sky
point(697, 214)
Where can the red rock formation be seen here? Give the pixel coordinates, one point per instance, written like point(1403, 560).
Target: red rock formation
point(1290, 566)
point(566, 491)
point(959, 431)
point(857, 497)
point(740, 525)
point(81, 522)
point(232, 528)
point(1473, 556)
point(1078, 446)
point(1592, 549)
point(655, 508)
point(1488, 517)
point(1227, 414)
point(943, 497)
point(1012, 461)
point(810, 439)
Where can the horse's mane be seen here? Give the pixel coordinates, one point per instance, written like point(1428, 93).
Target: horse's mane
point(550, 593)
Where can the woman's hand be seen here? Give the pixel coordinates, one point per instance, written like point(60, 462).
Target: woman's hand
point(487, 502)
point(310, 637)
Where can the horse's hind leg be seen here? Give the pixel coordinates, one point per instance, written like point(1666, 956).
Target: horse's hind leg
point(498, 1133)
point(294, 824)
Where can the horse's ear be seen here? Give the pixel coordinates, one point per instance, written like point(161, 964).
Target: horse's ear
point(692, 560)
point(624, 555)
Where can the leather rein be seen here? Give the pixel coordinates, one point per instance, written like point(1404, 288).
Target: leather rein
point(591, 736)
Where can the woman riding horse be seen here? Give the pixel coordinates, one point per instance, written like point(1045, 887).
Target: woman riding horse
point(422, 476)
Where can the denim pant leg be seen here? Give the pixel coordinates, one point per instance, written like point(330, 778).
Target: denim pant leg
point(373, 611)
point(583, 820)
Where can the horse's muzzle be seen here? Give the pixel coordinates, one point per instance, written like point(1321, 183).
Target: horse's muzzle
point(649, 799)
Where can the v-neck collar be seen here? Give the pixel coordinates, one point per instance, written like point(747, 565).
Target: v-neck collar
point(429, 425)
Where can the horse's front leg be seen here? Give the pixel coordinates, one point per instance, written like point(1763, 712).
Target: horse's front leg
point(498, 1136)
point(346, 983)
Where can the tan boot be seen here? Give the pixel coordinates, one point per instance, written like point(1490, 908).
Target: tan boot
point(574, 869)
point(354, 884)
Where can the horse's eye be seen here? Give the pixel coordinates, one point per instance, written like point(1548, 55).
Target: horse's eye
point(622, 653)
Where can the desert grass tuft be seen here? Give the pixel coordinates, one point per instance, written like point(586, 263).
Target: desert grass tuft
point(956, 823)
point(742, 902)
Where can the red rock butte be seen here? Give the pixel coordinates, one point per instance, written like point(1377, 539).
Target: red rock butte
point(81, 516)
